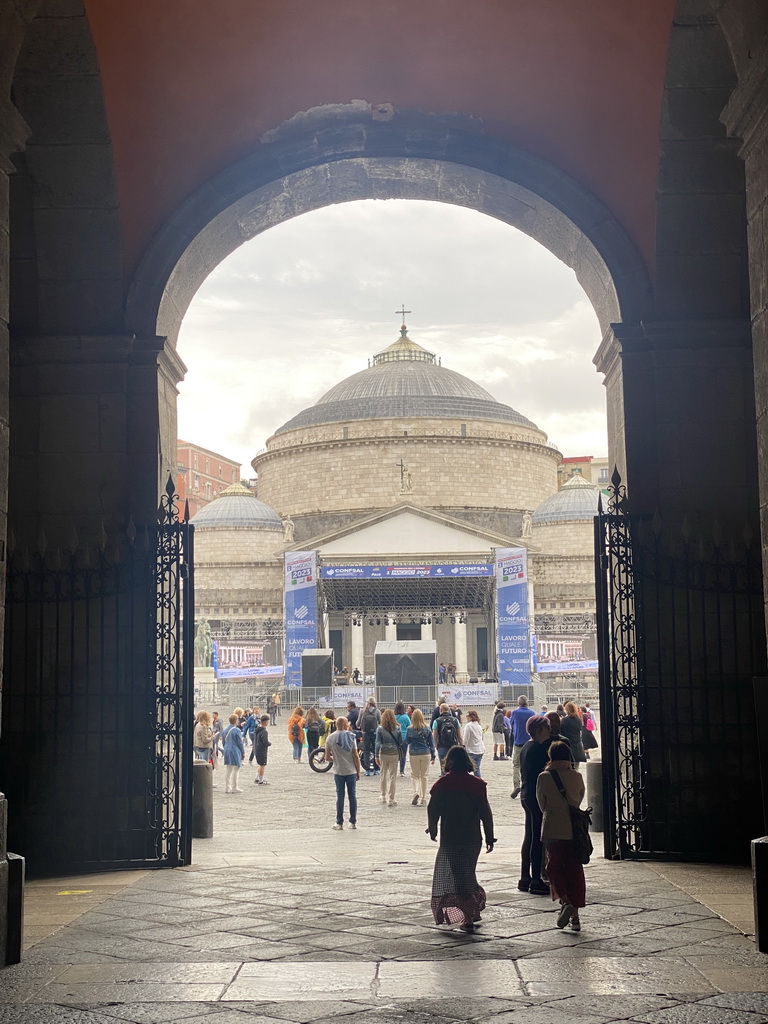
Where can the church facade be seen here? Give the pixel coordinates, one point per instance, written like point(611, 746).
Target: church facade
point(374, 479)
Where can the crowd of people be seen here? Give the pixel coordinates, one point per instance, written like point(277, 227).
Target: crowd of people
point(546, 751)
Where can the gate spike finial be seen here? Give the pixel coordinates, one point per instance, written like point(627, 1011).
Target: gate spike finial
point(186, 511)
point(42, 542)
point(600, 503)
point(657, 523)
point(170, 487)
point(130, 531)
point(103, 538)
point(74, 540)
point(685, 529)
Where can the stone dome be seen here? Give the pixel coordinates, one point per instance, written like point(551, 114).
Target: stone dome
point(577, 499)
point(405, 380)
point(236, 506)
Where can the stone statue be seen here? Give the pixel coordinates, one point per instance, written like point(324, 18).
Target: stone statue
point(406, 485)
point(527, 526)
point(289, 530)
point(203, 644)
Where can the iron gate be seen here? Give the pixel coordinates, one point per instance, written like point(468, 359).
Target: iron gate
point(98, 699)
point(681, 640)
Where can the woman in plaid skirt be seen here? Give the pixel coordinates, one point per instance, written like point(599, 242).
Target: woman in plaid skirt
point(459, 802)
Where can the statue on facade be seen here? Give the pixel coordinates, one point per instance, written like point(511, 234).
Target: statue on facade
point(203, 644)
point(289, 530)
point(527, 526)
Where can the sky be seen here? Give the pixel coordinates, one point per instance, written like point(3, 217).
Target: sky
point(308, 302)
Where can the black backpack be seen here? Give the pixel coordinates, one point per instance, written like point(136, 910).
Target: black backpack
point(369, 721)
point(448, 732)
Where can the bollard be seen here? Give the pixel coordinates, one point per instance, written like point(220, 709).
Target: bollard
point(202, 800)
point(760, 891)
point(595, 792)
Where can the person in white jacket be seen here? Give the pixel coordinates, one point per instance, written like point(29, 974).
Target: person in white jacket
point(564, 868)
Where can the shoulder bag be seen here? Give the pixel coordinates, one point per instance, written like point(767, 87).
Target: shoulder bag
point(580, 822)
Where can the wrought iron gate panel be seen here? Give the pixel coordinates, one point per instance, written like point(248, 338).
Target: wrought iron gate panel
point(97, 704)
point(682, 638)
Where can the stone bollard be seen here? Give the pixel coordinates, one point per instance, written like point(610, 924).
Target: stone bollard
point(760, 891)
point(595, 792)
point(202, 800)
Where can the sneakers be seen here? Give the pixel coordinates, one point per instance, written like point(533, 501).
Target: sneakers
point(496, 757)
point(422, 801)
point(415, 799)
point(402, 775)
point(575, 923)
point(237, 790)
point(383, 798)
point(337, 828)
point(515, 793)
point(538, 888)
point(566, 912)
point(393, 803)
point(368, 774)
point(352, 824)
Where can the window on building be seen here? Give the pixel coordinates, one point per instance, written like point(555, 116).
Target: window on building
point(221, 472)
point(603, 477)
point(463, 429)
point(197, 483)
point(207, 465)
point(572, 604)
point(207, 488)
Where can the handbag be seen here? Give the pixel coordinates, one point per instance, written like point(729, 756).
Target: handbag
point(580, 822)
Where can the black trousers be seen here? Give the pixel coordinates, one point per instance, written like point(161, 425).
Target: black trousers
point(531, 850)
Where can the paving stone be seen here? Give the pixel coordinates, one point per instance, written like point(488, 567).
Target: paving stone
point(52, 1015)
point(118, 992)
point(276, 981)
point(699, 1013)
point(464, 978)
point(609, 1008)
point(755, 1002)
point(611, 975)
point(155, 1013)
point(299, 1011)
point(18, 981)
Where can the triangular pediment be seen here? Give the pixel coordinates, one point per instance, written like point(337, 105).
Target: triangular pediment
point(406, 529)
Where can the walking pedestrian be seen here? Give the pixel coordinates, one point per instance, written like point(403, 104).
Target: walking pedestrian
point(272, 709)
point(571, 728)
point(388, 747)
point(261, 745)
point(421, 750)
point(404, 721)
point(533, 758)
point(473, 740)
point(520, 716)
point(507, 724)
point(329, 724)
point(459, 803)
point(368, 723)
point(313, 727)
point(202, 740)
point(233, 754)
point(341, 751)
point(276, 701)
point(558, 788)
point(296, 732)
point(497, 729)
point(446, 734)
point(217, 726)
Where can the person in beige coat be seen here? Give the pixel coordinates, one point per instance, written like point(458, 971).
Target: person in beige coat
point(564, 868)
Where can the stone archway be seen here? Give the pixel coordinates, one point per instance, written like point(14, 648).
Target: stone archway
point(338, 154)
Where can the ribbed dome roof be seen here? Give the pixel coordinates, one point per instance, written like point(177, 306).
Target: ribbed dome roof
point(405, 380)
point(577, 499)
point(237, 506)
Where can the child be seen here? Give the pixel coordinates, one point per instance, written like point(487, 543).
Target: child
point(233, 755)
point(260, 744)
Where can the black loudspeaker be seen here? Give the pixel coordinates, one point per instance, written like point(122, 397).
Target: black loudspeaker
point(317, 668)
point(405, 669)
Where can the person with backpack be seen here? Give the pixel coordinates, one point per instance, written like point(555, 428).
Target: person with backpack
point(447, 734)
point(296, 733)
point(558, 788)
point(368, 722)
point(497, 728)
point(389, 747)
point(261, 744)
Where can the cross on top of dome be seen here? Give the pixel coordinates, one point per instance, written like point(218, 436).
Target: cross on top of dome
point(403, 348)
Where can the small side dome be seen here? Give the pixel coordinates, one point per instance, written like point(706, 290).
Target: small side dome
point(236, 506)
point(577, 499)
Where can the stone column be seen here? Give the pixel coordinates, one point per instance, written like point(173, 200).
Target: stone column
point(390, 631)
point(358, 650)
point(426, 631)
point(460, 645)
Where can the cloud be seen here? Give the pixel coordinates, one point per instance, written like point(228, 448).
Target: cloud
point(308, 302)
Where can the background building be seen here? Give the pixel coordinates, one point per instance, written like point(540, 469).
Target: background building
point(202, 474)
point(368, 477)
point(594, 469)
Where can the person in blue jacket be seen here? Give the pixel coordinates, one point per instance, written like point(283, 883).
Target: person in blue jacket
point(234, 751)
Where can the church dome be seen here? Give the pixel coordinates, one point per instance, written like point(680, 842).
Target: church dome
point(236, 506)
point(577, 499)
point(405, 380)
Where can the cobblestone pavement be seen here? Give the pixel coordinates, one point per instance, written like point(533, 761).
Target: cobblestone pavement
point(281, 919)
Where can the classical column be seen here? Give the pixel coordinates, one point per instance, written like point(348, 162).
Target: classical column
point(390, 631)
point(460, 646)
point(426, 631)
point(358, 650)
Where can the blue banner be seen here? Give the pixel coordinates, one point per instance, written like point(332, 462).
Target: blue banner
point(382, 572)
point(513, 645)
point(300, 610)
point(569, 666)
